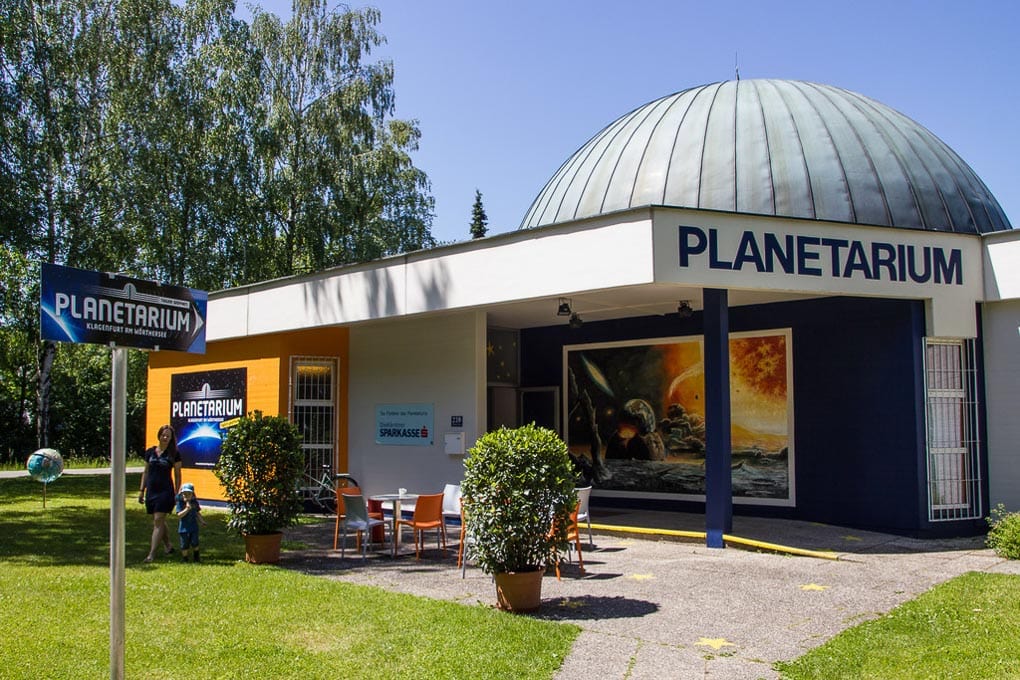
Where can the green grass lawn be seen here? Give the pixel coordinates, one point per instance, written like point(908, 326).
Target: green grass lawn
point(224, 618)
point(967, 628)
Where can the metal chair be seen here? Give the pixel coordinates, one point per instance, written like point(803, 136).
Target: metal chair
point(356, 518)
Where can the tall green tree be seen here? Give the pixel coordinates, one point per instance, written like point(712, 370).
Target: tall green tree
point(56, 82)
point(335, 177)
point(170, 140)
point(479, 219)
point(185, 128)
point(19, 323)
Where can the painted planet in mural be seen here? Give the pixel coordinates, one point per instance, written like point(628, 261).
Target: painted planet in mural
point(45, 465)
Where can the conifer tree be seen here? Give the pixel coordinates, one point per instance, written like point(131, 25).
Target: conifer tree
point(479, 219)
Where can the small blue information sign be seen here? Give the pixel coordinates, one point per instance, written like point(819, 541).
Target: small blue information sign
point(77, 305)
point(404, 424)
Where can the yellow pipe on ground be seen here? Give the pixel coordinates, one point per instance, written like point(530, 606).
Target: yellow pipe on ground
point(701, 535)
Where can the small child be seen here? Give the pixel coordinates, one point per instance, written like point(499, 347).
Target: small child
point(190, 515)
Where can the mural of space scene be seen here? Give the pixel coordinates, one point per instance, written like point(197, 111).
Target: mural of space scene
point(635, 415)
point(199, 403)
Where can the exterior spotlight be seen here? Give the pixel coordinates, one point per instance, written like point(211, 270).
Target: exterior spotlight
point(575, 320)
point(564, 308)
point(684, 309)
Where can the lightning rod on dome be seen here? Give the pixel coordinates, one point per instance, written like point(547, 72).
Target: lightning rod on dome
point(736, 64)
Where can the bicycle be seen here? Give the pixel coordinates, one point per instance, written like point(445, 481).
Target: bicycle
point(322, 492)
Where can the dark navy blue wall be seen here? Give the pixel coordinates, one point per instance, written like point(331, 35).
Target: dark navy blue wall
point(858, 415)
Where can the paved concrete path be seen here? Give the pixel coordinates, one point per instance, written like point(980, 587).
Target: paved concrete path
point(9, 474)
point(669, 609)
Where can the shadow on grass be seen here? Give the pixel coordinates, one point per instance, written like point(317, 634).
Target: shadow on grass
point(74, 526)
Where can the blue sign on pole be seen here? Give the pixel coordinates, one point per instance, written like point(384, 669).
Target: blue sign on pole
point(109, 309)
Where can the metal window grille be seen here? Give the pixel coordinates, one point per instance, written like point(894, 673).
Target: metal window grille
point(313, 410)
point(953, 445)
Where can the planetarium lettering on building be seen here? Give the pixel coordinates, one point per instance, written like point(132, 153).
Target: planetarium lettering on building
point(804, 255)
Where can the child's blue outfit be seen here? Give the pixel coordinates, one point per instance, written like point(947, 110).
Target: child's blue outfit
point(188, 525)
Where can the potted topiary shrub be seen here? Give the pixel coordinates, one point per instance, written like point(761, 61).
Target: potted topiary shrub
point(518, 492)
point(260, 466)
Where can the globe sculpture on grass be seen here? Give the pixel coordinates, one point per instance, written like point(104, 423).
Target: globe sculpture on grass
point(45, 465)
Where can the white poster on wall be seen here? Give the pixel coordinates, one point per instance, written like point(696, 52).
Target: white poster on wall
point(404, 424)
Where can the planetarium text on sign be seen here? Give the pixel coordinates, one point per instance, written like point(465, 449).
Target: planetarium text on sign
point(805, 255)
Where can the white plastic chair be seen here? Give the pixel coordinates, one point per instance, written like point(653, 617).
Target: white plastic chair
point(451, 505)
point(356, 519)
point(583, 494)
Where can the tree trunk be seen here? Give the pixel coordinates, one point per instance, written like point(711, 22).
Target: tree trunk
point(47, 353)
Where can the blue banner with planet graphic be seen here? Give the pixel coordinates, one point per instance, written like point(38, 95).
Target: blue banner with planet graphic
point(201, 404)
point(78, 305)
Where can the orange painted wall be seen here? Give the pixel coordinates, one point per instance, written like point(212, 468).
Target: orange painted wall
point(267, 358)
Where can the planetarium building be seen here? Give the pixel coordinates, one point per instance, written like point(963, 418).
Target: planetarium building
point(767, 297)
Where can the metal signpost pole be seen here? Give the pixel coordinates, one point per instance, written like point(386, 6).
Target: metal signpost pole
point(118, 431)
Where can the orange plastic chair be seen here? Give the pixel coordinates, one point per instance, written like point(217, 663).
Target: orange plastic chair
point(574, 538)
point(428, 514)
point(341, 511)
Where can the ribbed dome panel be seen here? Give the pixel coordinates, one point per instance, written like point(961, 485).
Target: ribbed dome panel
point(772, 147)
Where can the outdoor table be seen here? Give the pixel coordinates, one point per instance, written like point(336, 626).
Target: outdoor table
point(396, 499)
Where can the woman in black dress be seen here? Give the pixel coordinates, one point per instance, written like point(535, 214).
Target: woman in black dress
point(159, 487)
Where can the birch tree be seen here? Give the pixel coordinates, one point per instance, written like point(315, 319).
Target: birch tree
point(335, 176)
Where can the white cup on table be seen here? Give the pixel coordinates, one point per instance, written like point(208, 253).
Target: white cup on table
point(401, 491)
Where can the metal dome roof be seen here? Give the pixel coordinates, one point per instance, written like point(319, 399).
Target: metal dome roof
point(772, 147)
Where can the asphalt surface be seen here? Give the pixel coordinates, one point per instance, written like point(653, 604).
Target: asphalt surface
point(654, 608)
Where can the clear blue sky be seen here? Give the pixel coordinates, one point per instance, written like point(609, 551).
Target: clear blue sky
point(505, 92)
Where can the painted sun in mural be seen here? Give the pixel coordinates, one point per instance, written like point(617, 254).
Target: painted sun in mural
point(760, 363)
point(758, 383)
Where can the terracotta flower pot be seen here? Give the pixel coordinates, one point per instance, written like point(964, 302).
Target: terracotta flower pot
point(262, 548)
point(519, 591)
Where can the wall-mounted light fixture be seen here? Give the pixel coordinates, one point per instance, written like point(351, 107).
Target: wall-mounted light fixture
point(564, 308)
point(575, 320)
point(684, 309)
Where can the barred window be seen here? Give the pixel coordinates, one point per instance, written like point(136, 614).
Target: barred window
point(953, 446)
point(313, 410)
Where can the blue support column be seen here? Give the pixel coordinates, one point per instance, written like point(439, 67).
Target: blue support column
point(718, 479)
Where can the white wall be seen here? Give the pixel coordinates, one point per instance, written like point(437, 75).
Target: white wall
point(1002, 275)
point(438, 360)
point(452, 278)
point(1001, 327)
